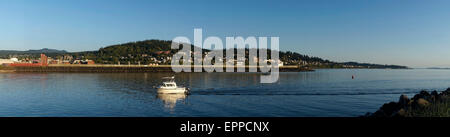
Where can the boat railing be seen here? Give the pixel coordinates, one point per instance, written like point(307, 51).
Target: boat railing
point(169, 79)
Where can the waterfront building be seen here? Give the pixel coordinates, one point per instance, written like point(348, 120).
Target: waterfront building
point(6, 61)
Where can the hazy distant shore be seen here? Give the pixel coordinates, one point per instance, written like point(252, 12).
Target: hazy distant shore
point(437, 68)
point(362, 68)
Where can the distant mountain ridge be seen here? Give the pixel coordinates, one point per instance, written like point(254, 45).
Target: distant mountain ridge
point(46, 50)
point(31, 51)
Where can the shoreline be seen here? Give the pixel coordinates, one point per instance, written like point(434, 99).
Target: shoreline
point(105, 68)
point(122, 69)
point(369, 68)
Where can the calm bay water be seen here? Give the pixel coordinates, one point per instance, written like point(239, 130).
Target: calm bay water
point(320, 93)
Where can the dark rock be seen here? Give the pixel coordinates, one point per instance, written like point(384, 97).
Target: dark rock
point(403, 101)
point(406, 105)
point(423, 94)
point(390, 108)
point(400, 113)
point(379, 113)
point(434, 96)
point(434, 93)
point(445, 93)
point(420, 103)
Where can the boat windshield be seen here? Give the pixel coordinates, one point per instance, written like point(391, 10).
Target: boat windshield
point(170, 85)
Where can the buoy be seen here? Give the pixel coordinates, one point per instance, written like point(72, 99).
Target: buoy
point(353, 77)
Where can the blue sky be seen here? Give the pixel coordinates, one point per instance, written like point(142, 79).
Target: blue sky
point(412, 33)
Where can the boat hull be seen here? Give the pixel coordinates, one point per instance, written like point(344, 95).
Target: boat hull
point(172, 91)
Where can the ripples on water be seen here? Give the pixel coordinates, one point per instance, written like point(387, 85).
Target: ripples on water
point(320, 93)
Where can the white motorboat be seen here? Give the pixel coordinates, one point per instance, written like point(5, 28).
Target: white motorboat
point(170, 87)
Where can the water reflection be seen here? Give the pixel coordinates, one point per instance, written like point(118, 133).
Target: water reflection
point(319, 93)
point(170, 100)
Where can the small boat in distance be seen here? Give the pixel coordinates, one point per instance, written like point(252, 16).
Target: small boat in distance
point(170, 87)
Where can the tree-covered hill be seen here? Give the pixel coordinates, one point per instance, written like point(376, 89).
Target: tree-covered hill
point(143, 52)
point(160, 52)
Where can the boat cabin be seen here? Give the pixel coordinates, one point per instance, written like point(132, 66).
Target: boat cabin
point(169, 84)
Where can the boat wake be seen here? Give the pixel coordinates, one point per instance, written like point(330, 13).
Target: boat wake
point(292, 93)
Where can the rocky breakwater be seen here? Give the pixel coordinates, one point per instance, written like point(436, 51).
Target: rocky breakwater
point(424, 104)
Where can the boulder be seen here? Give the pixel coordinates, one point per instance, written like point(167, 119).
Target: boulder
point(379, 113)
point(445, 93)
point(423, 94)
point(406, 105)
point(434, 96)
point(434, 93)
point(390, 108)
point(403, 101)
point(400, 113)
point(422, 102)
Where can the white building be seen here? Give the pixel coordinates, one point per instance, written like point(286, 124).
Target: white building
point(6, 61)
point(14, 59)
point(280, 63)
